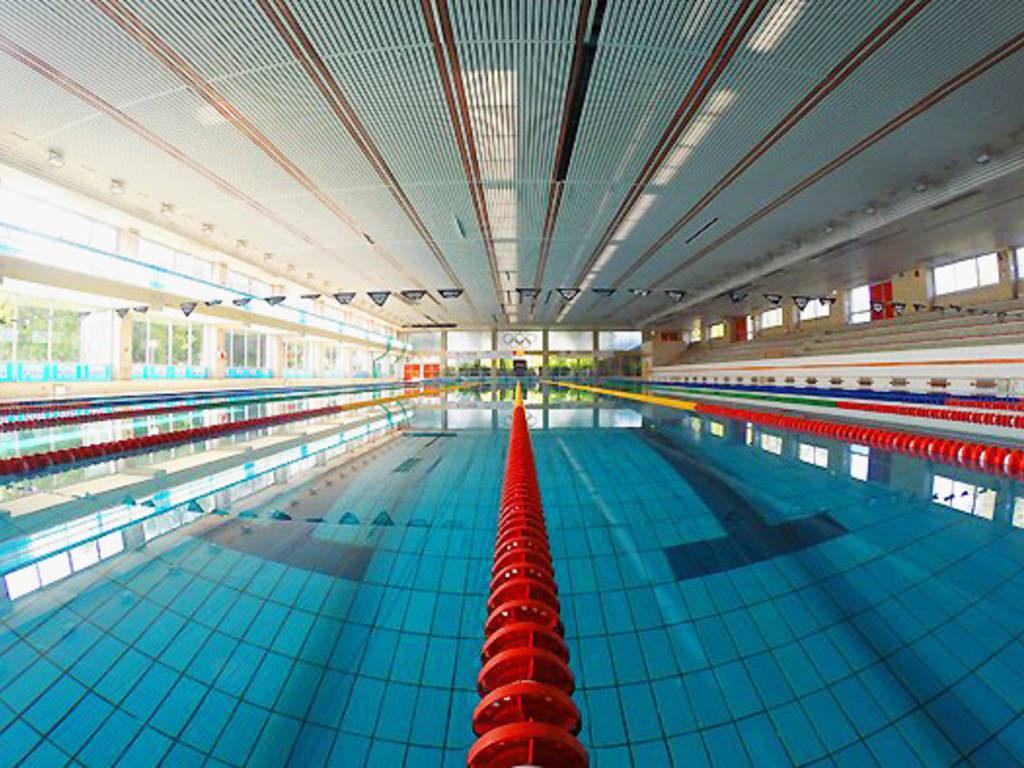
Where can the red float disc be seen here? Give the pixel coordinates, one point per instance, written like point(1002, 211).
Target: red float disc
point(524, 634)
point(523, 588)
point(528, 571)
point(517, 664)
point(527, 744)
point(522, 702)
point(522, 610)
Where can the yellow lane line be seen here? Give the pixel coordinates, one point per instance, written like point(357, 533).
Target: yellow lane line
point(668, 402)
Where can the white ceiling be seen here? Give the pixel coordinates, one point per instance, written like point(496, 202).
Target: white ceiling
point(693, 137)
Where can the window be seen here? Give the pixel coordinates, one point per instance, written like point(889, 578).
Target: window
point(619, 341)
point(966, 274)
point(771, 443)
point(771, 318)
point(1019, 256)
point(176, 261)
point(972, 499)
point(860, 304)
point(716, 428)
point(813, 454)
point(816, 309)
point(750, 327)
point(859, 462)
point(246, 349)
point(716, 331)
point(696, 334)
point(46, 219)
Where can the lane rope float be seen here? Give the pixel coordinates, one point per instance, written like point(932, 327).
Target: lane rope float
point(526, 715)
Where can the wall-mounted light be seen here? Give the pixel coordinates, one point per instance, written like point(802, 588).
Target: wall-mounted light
point(166, 209)
point(55, 158)
point(116, 187)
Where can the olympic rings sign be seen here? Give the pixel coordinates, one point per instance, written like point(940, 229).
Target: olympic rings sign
point(519, 339)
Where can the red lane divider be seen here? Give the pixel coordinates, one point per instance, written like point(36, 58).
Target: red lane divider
point(973, 417)
point(97, 451)
point(992, 458)
point(1002, 405)
point(80, 418)
point(526, 715)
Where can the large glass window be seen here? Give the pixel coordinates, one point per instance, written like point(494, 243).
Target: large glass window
point(966, 274)
point(571, 341)
point(66, 336)
point(716, 331)
point(816, 309)
point(771, 318)
point(33, 334)
point(140, 338)
point(47, 219)
point(860, 304)
point(620, 341)
point(470, 341)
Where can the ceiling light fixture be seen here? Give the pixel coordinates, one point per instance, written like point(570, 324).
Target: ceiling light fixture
point(166, 209)
point(776, 25)
point(116, 187)
point(982, 157)
point(208, 229)
point(55, 158)
point(268, 256)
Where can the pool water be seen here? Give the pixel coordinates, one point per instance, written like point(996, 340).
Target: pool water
point(732, 595)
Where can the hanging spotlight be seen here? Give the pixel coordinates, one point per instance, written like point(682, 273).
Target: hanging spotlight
point(213, 302)
point(603, 291)
point(921, 186)
point(528, 293)
point(242, 301)
point(774, 298)
point(920, 307)
point(188, 307)
point(675, 295)
point(311, 296)
point(143, 309)
point(55, 158)
point(414, 295)
point(122, 312)
point(801, 302)
point(981, 158)
point(208, 229)
point(241, 243)
point(568, 293)
point(449, 293)
point(736, 296)
point(640, 291)
point(899, 307)
point(823, 300)
point(378, 297)
point(344, 297)
point(116, 187)
point(166, 209)
point(274, 300)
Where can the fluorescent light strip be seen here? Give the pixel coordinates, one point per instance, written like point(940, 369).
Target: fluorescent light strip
point(719, 102)
point(776, 24)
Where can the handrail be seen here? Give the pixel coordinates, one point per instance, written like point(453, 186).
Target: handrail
point(526, 715)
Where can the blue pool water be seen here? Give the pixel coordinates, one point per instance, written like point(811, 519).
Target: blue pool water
point(732, 595)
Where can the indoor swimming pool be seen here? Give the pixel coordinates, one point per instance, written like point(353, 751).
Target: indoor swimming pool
point(733, 593)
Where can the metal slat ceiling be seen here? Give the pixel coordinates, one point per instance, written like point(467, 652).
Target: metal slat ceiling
point(290, 176)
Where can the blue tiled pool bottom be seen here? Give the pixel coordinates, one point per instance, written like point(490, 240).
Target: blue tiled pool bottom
point(897, 640)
